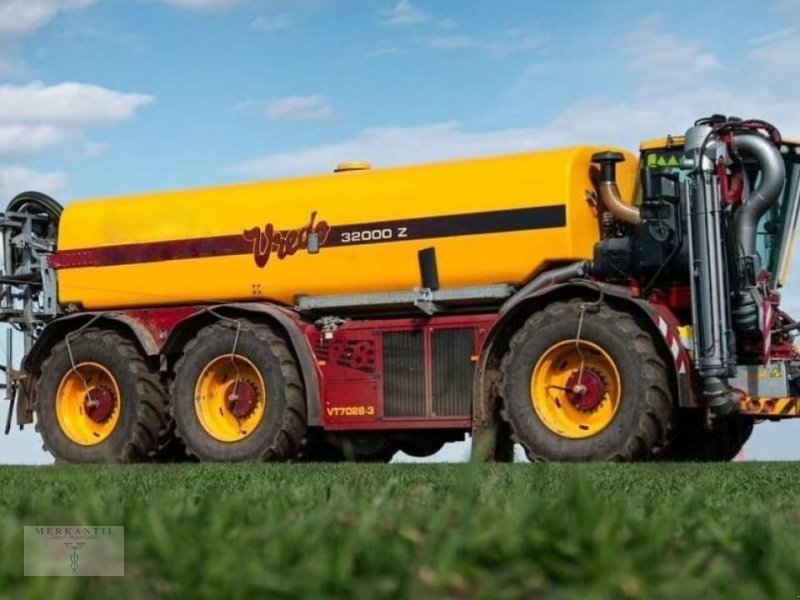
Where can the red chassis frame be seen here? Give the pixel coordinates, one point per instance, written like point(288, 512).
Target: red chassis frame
point(350, 364)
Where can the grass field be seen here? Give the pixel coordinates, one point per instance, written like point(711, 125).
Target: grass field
point(419, 531)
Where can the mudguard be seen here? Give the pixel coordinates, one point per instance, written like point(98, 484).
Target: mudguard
point(159, 332)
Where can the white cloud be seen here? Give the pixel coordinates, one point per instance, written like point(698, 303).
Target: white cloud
point(663, 60)
point(88, 149)
point(385, 146)
point(384, 49)
point(24, 140)
point(299, 108)
point(20, 19)
point(274, 23)
point(291, 108)
point(36, 117)
point(655, 58)
point(70, 104)
point(201, 5)
point(787, 6)
point(590, 121)
point(15, 179)
point(210, 6)
point(23, 18)
point(403, 14)
point(681, 79)
point(780, 49)
point(453, 42)
point(508, 42)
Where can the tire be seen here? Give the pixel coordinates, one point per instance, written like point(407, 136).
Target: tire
point(173, 450)
point(141, 425)
point(628, 418)
point(694, 443)
point(277, 435)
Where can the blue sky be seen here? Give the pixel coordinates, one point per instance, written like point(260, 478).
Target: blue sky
point(105, 97)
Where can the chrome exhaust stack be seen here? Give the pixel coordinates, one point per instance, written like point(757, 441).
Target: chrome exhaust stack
point(713, 335)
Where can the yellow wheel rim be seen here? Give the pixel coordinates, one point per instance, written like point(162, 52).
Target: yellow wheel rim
point(88, 404)
point(230, 398)
point(576, 389)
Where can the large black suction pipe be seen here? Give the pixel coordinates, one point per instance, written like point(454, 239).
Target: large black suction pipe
point(773, 175)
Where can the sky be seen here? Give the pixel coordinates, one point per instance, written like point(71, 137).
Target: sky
point(107, 97)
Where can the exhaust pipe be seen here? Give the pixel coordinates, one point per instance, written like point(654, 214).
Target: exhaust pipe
point(714, 350)
point(608, 190)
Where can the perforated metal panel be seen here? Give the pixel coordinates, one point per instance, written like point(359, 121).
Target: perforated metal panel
point(452, 371)
point(403, 374)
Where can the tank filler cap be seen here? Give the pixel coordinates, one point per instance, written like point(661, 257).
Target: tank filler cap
point(352, 165)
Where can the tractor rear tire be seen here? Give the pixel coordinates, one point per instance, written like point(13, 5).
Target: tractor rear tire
point(242, 407)
point(694, 443)
point(603, 398)
point(106, 407)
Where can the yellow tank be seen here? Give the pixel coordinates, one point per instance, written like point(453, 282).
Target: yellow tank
point(492, 220)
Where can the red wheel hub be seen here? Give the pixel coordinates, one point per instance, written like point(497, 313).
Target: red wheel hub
point(99, 404)
point(587, 393)
point(241, 397)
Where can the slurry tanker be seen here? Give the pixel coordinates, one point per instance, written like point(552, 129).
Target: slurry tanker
point(585, 303)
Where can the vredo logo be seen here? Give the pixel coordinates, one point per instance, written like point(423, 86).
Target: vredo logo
point(284, 242)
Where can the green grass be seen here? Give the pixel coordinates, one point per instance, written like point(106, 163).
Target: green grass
point(419, 531)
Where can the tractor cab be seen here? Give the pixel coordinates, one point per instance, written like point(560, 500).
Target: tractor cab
point(662, 169)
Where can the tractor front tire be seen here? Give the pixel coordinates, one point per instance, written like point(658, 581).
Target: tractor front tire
point(693, 442)
point(585, 382)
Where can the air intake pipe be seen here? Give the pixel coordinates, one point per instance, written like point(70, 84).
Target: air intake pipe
point(608, 190)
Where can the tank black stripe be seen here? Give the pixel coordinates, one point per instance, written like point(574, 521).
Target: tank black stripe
point(499, 221)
